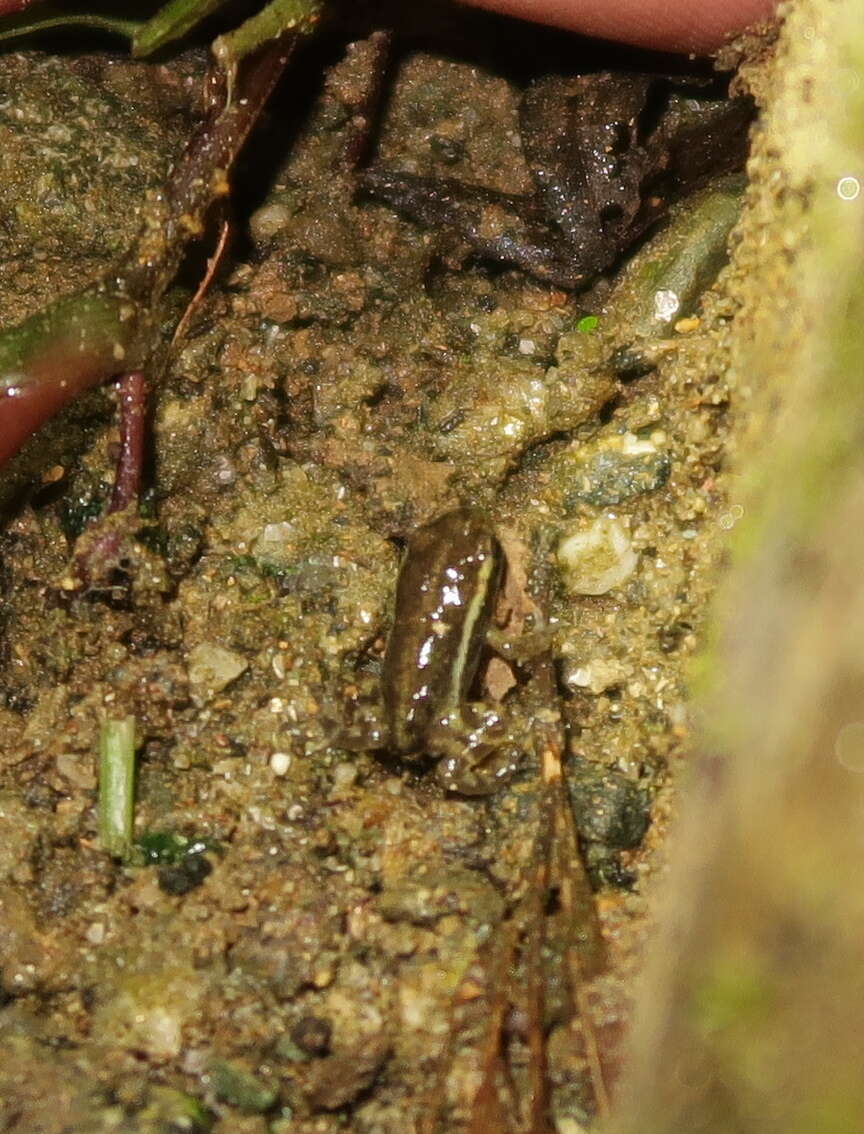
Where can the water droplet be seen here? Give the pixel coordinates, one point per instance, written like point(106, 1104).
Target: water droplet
point(848, 188)
point(666, 304)
point(849, 746)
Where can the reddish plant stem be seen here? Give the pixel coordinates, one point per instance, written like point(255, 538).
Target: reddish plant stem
point(202, 175)
point(133, 411)
point(10, 7)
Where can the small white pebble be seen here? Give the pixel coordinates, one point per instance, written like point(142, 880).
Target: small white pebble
point(344, 774)
point(279, 532)
point(280, 762)
point(527, 346)
point(211, 667)
point(225, 471)
point(597, 674)
point(598, 558)
point(633, 446)
point(96, 933)
point(268, 221)
point(567, 1125)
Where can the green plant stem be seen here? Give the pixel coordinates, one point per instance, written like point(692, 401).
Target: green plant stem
point(116, 785)
point(171, 22)
point(274, 20)
point(53, 16)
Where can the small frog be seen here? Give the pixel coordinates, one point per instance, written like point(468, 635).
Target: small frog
point(445, 598)
point(608, 153)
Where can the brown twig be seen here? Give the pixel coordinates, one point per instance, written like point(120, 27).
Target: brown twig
point(584, 950)
point(365, 109)
point(214, 263)
point(202, 174)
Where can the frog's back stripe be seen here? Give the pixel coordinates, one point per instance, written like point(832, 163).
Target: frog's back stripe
point(474, 627)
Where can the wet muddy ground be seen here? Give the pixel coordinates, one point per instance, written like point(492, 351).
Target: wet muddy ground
point(309, 937)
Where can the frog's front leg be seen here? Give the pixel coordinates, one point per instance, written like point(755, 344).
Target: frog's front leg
point(476, 750)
